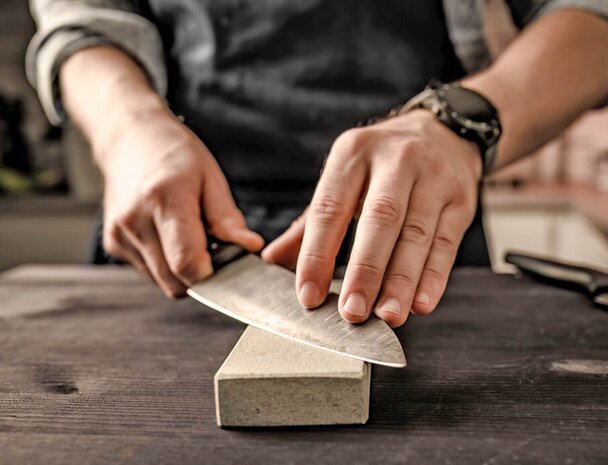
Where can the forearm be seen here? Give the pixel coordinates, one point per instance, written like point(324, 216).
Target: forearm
point(104, 92)
point(554, 71)
point(66, 27)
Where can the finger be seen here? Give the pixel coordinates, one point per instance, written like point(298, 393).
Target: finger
point(409, 256)
point(284, 249)
point(453, 223)
point(147, 243)
point(131, 255)
point(223, 217)
point(330, 211)
point(379, 225)
point(117, 246)
point(137, 262)
point(182, 238)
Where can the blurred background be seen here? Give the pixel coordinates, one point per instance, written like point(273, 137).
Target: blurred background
point(554, 203)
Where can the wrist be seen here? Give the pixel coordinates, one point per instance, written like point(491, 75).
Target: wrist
point(467, 113)
point(423, 123)
point(471, 153)
point(132, 106)
point(105, 92)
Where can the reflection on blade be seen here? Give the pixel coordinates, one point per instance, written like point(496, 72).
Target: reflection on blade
point(263, 296)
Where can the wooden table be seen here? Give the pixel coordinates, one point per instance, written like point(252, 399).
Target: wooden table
point(97, 367)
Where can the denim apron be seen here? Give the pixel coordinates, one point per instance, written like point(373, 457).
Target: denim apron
point(269, 84)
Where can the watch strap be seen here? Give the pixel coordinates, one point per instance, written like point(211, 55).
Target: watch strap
point(484, 134)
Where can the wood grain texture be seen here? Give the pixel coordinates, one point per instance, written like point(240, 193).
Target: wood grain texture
point(103, 369)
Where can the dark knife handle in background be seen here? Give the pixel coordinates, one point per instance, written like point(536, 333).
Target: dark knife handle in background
point(579, 278)
point(223, 253)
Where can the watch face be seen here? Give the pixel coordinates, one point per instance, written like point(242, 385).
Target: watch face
point(468, 104)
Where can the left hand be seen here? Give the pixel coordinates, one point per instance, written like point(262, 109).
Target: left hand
point(415, 184)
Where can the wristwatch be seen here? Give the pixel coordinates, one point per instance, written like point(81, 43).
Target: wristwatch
point(466, 112)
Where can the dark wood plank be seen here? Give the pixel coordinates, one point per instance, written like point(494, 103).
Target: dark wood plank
point(97, 367)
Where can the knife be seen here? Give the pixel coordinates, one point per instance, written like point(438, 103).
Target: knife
point(591, 282)
point(260, 294)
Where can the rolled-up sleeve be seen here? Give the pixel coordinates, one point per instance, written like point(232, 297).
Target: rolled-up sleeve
point(526, 11)
point(66, 26)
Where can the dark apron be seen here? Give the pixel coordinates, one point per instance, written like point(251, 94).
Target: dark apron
point(269, 84)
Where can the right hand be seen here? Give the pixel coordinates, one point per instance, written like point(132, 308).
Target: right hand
point(160, 181)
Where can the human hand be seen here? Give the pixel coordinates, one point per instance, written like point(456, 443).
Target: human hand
point(160, 181)
point(414, 183)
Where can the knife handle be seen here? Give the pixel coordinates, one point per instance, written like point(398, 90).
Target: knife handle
point(223, 253)
point(574, 277)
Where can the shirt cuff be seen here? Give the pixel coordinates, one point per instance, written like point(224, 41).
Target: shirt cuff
point(598, 7)
point(85, 26)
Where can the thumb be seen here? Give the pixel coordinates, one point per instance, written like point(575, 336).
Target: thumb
point(284, 249)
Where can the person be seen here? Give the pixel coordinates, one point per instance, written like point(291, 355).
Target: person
point(217, 116)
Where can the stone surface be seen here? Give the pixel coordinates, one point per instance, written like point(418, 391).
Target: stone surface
point(268, 380)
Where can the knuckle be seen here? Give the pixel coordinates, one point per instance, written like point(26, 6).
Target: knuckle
point(436, 167)
point(417, 152)
point(445, 242)
point(326, 209)
point(126, 220)
point(157, 191)
point(385, 209)
point(366, 268)
point(466, 205)
point(400, 278)
point(415, 232)
point(313, 256)
point(435, 274)
point(410, 148)
point(459, 197)
point(351, 140)
point(463, 188)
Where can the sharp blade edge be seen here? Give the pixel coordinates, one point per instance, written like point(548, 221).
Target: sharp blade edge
point(262, 295)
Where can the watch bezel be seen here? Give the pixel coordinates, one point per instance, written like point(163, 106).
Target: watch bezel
point(489, 131)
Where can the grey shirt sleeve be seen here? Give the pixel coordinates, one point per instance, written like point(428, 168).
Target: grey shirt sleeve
point(526, 11)
point(465, 23)
point(66, 26)
point(464, 20)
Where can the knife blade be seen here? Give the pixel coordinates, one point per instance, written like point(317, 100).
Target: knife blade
point(263, 295)
point(589, 281)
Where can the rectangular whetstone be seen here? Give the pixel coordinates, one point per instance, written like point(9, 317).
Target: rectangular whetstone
point(268, 380)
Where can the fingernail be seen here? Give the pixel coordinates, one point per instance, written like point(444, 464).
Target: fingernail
point(310, 294)
point(391, 306)
point(355, 305)
point(423, 298)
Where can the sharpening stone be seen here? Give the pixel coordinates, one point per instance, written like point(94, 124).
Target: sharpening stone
point(269, 380)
